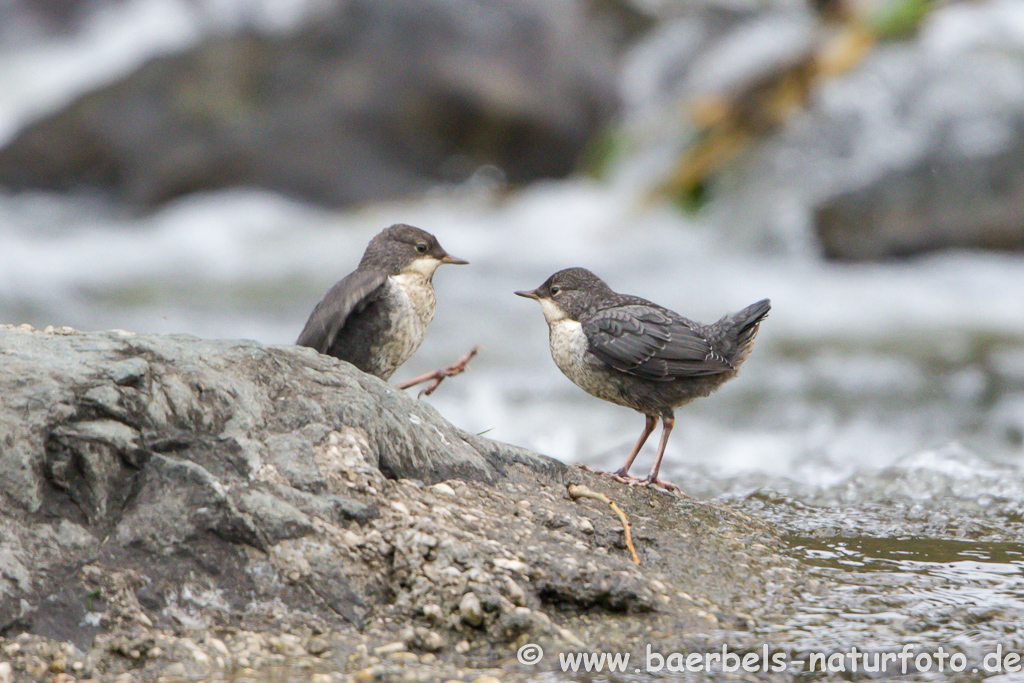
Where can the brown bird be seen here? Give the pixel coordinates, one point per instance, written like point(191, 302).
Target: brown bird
point(637, 354)
point(376, 316)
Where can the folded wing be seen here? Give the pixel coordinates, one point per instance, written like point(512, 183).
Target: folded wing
point(652, 343)
point(349, 295)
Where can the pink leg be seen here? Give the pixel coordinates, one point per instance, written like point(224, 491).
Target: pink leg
point(435, 378)
point(668, 422)
point(649, 426)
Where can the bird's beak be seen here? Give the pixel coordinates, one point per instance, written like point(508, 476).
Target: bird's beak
point(454, 260)
point(529, 295)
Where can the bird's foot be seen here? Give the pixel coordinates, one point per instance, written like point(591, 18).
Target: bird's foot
point(660, 483)
point(630, 480)
point(618, 475)
point(435, 378)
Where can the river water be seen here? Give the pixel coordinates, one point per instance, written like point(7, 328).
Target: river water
point(879, 421)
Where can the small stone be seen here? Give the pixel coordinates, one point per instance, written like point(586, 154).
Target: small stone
point(514, 592)
point(404, 657)
point(470, 609)
point(368, 674)
point(396, 646)
point(510, 565)
point(218, 645)
point(443, 489)
point(486, 679)
point(175, 671)
point(432, 612)
point(400, 507)
point(5, 671)
point(431, 641)
point(586, 526)
point(317, 645)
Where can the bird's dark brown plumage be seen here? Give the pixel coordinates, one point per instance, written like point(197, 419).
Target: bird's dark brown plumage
point(638, 354)
point(375, 317)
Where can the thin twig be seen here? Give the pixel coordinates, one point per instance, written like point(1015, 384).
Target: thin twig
point(580, 491)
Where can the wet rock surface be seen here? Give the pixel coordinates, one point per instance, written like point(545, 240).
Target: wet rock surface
point(185, 509)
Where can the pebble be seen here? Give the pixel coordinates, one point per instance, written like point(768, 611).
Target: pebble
point(317, 645)
point(404, 657)
point(5, 672)
point(432, 642)
point(470, 609)
point(443, 488)
point(368, 674)
point(515, 592)
point(432, 612)
point(510, 565)
point(396, 646)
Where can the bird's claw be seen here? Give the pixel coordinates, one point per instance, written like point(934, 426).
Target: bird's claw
point(660, 483)
point(630, 480)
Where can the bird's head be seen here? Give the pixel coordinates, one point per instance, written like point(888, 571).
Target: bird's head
point(405, 249)
point(569, 294)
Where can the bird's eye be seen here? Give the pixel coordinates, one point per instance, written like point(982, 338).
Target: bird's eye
point(555, 290)
point(421, 247)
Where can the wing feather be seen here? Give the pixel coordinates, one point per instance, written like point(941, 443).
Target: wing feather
point(348, 295)
point(652, 343)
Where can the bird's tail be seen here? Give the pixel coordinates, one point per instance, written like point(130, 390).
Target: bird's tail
point(742, 328)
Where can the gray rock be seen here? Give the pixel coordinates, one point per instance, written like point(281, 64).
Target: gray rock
point(372, 100)
point(276, 519)
point(144, 539)
point(183, 449)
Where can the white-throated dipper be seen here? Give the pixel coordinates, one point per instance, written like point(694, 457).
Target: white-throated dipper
point(638, 354)
point(375, 317)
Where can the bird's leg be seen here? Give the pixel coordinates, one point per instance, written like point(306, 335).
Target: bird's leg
point(435, 378)
point(667, 421)
point(623, 472)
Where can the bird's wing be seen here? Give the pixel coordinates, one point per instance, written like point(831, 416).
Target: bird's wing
point(652, 343)
point(348, 295)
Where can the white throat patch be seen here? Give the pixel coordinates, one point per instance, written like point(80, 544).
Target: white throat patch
point(424, 266)
point(553, 313)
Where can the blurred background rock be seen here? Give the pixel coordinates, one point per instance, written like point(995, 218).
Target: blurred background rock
point(893, 125)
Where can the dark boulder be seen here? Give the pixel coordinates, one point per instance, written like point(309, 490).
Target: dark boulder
point(368, 102)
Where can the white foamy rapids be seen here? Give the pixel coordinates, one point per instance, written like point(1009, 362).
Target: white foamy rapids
point(842, 377)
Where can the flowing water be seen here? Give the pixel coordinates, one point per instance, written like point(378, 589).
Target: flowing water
point(879, 421)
